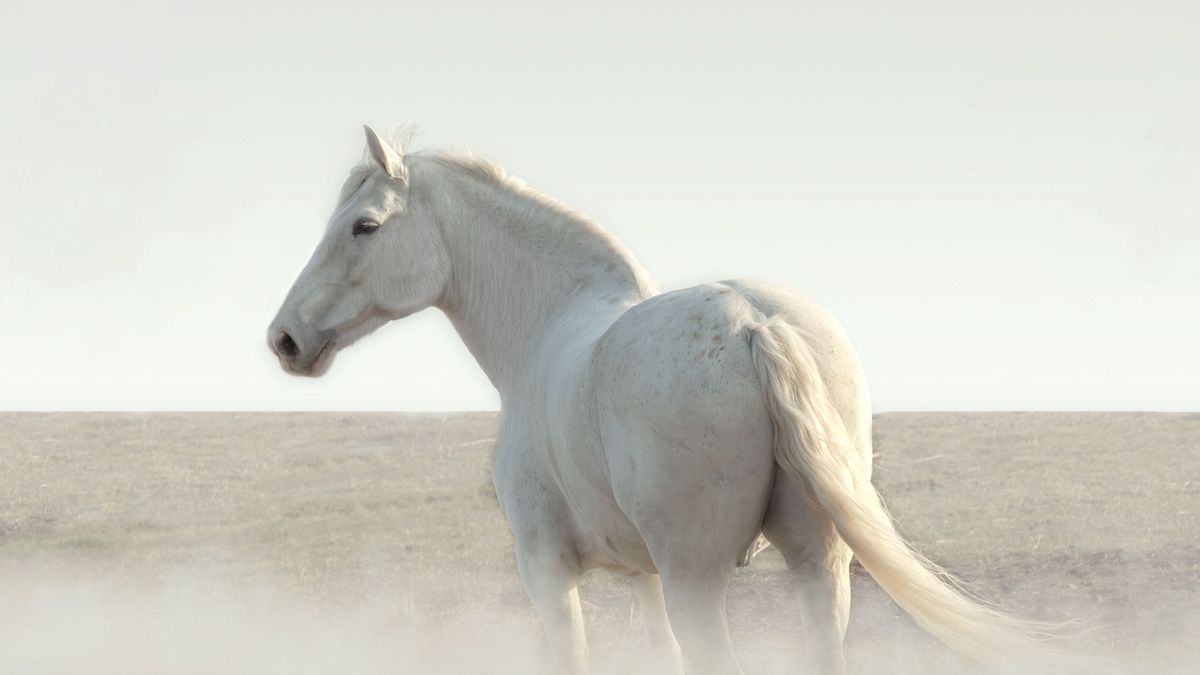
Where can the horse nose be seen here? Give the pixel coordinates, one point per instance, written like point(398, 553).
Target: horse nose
point(286, 347)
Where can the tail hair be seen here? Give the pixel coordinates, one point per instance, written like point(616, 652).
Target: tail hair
point(813, 445)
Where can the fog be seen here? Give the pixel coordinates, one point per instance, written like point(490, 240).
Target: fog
point(373, 543)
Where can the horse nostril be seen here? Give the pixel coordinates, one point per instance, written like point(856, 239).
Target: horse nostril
point(287, 346)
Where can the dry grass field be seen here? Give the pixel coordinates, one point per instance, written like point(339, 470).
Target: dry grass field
point(371, 544)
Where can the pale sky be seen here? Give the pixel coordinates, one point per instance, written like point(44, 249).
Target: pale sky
point(1002, 205)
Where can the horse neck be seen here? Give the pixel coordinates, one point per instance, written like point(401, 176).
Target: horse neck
point(517, 262)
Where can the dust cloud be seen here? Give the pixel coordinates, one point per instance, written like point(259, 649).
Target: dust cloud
point(368, 544)
point(184, 624)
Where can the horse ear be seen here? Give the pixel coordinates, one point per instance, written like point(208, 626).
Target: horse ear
point(388, 157)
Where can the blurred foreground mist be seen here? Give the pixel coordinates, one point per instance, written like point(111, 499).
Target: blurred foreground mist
point(371, 543)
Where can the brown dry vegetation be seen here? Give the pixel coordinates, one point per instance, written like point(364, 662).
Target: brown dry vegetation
point(371, 543)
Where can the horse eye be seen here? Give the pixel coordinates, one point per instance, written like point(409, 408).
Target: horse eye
point(365, 226)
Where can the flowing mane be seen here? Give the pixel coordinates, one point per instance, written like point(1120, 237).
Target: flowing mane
point(546, 220)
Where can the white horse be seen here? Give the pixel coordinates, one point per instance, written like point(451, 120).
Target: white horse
point(653, 434)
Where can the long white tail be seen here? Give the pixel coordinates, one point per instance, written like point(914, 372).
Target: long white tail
point(812, 444)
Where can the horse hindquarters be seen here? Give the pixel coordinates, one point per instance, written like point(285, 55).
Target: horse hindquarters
point(688, 445)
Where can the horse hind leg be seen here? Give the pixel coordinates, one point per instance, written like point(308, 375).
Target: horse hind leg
point(819, 565)
point(695, 603)
point(695, 567)
point(665, 658)
point(695, 556)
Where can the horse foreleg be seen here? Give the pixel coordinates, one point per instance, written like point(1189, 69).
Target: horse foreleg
point(551, 579)
point(664, 648)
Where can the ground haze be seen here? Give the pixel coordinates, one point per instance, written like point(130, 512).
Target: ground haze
point(372, 543)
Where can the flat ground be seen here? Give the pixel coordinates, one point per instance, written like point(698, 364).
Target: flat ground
point(372, 543)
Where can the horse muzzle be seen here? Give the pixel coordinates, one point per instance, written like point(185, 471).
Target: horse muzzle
point(298, 356)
